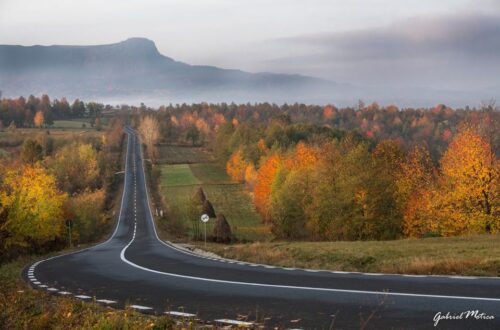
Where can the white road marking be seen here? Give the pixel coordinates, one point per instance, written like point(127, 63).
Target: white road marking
point(37, 283)
point(234, 322)
point(410, 275)
point(106, 301)
point(64, 293)
point(180, 314)
point(142, 308)
point(42, 286)
point(278, 286)
point(52, 289)
point(83, 297)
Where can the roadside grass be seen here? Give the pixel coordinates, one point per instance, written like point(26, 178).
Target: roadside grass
point(179, 183)
point(467, 256)
point(175, 154)
point(24, 308)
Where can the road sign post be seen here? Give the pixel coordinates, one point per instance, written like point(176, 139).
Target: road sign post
point(204, 218)
point(69, 224)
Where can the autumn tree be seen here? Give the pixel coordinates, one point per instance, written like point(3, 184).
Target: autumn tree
point(250, 176)
point(87, 210)
point(289, 201)
point(471, 185)
point(76, 168)
point(115, 135)
point(39, 119)
point(32, 207)
point(236, 166)
point(265, 178)
point(149, 131)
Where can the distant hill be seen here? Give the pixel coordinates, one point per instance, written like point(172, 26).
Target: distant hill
point(134, 70)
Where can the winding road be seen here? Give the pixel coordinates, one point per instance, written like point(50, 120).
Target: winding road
point(134, 267)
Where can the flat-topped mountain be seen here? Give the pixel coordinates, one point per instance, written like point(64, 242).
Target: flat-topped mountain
point(134, 69)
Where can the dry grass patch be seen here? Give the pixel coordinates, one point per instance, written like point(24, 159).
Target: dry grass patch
point(472, 256)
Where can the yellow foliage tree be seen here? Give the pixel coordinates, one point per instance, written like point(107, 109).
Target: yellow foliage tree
point(76, 167)
point(303, 157)
point(33, 206)
point(471, 183)
point(236, 166)
point(149, 130)
point(250, 176)
point(465, 199)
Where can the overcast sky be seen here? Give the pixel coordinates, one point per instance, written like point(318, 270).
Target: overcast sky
point(448, 44)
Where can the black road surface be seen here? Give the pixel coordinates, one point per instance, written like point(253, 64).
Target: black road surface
point(134, 267)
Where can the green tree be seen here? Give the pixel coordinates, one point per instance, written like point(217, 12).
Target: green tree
point(289, 199)
point(193, 134)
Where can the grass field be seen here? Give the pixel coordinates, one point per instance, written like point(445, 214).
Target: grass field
point(178, 175)
point(179, 182)
point(173, 154)
point(474, 256)
point(70, 124)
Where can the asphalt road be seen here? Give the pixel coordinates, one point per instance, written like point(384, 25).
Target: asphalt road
point(134, 267)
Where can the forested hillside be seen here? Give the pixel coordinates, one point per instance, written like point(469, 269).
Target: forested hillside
point(369, 172)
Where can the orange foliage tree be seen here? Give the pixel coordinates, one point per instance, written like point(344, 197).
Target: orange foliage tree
point(38, 120)
point(265, 178)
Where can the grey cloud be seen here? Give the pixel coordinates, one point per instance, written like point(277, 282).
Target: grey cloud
point(474, 36)
point(460, 52)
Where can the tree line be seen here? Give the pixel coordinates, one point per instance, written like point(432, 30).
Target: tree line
point(41, 111)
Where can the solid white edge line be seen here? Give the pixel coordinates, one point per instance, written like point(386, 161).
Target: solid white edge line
point(122, 256)
point(234, 322)
point(140, 307)
point(181, 314)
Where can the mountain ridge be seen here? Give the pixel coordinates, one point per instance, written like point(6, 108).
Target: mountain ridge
point(135, 67)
